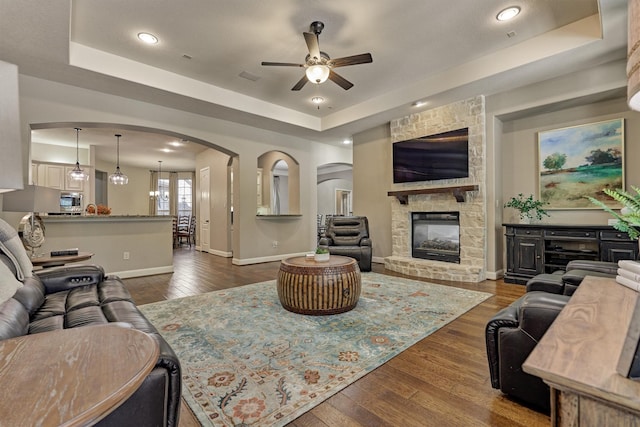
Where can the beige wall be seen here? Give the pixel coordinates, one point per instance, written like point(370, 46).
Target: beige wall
point(371, 181)
point(519, 154)
point(130, 199)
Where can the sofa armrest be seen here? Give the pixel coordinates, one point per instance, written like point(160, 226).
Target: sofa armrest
point(63, 278)
point(528, 317)
point(505, 318)
point(365, 241)
point(595, 266)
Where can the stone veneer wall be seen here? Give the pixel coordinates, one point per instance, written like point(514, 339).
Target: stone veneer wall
point(473, 242)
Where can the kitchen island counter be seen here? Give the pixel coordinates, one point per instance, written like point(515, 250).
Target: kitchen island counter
point(125, 245)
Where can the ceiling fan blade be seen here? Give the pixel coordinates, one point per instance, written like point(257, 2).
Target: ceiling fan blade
point(312, 45)
point(340, 81)
point(300, 83)
point(282, 64)
point(363, 58)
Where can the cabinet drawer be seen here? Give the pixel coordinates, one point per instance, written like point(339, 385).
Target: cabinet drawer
point(573, 234)
point(614, 235)
point(528, 232)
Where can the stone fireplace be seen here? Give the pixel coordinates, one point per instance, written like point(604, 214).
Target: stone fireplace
point(472, 242)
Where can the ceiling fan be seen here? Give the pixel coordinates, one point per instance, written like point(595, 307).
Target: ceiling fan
point(318, 65)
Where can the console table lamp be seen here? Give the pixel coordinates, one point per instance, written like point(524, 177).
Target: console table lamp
point(33, 199)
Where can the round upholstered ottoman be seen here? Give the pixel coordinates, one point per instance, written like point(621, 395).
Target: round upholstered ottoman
point(306, 286)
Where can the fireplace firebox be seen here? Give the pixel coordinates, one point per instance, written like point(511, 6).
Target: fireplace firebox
point(436, 236)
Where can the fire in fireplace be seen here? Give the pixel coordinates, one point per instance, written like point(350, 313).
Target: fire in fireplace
point(436, 236)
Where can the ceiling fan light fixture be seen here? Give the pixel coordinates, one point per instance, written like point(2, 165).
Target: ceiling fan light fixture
point(317, 73)
point(317, 100)
point(118, 178)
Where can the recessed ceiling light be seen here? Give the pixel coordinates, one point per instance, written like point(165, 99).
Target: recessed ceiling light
point(419, 103)
point(508, 13)
point(176, 143)
point(346, 141)
point(148, 38)
point(317, 100)
point(167, 150)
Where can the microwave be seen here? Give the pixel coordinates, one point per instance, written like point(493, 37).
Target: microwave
point(70, 202)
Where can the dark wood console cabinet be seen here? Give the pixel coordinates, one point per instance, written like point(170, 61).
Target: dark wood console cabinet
point(543, 248)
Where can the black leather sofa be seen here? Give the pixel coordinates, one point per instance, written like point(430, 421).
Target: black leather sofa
point(69, 297)
point(349, 236)
point(513, 332)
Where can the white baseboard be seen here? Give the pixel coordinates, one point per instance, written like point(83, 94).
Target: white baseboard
point(142, 272)
point(495, 275)
point(259, 260)
point(220, 253)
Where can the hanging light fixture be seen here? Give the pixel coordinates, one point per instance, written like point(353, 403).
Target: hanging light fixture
point(161, 196)
point(77, 174)
point(118, 178)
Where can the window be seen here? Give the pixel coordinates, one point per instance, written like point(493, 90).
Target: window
point(163, 200)
point(185, 197)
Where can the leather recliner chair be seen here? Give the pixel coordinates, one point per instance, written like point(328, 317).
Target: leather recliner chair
point(513, 332)
point(349, 236)
point(511, 335)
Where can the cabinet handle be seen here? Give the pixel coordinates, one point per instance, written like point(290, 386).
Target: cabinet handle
point(538, 256)
point(587, 234)
point(528, 232)
point(618, 235)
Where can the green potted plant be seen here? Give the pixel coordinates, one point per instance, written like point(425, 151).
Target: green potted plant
point(528, 208)
point(629, 216)
point(322, 254)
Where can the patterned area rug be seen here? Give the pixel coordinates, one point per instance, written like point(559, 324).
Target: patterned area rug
point(247, 361)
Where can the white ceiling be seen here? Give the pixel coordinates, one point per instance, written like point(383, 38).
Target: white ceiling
point(432, 50)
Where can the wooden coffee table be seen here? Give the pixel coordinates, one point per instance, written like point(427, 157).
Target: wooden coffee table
point(306, 286)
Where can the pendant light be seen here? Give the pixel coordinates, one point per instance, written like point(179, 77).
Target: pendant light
point(77, 174)
point(118, 178)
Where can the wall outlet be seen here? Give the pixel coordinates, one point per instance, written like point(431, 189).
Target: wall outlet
point(274, 244)
point(125, 255)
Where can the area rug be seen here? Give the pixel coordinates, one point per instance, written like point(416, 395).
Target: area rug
point(247, 361)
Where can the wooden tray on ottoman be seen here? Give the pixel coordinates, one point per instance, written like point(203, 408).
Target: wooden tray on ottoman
point(306, 286)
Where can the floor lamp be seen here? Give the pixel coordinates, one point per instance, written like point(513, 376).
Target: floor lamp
point(33, 199)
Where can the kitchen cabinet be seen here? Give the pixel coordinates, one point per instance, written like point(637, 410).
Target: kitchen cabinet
point(544, 248)
point(51, 176)
point(55, 175)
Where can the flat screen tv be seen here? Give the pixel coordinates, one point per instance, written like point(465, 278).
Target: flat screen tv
point(433, 157)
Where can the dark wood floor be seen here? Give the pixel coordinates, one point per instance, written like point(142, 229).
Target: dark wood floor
point(442, 380)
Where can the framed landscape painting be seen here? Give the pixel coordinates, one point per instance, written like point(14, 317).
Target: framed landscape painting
point(580, 161)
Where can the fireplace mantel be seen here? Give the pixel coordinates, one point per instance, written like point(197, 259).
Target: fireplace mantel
point(458, 192)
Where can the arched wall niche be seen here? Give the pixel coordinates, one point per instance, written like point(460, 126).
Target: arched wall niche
point(285, 198)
